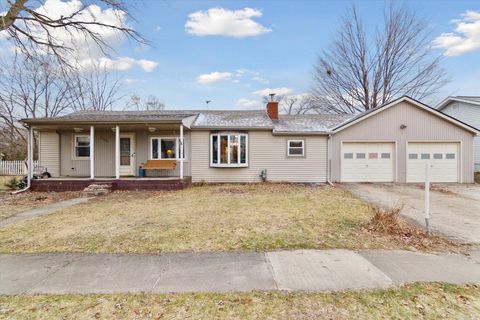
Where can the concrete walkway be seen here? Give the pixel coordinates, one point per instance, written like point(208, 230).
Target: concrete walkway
point(313, 270)
point(37, 212)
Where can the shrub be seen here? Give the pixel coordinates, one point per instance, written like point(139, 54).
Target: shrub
point(14, 183)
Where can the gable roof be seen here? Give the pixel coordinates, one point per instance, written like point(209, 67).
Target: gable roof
point(467, 99)
point(367, 114)
point(309, 123)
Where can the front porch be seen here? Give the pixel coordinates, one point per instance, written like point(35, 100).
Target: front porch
point(124, 183)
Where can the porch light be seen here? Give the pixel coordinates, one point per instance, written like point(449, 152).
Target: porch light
point(78, 129)
point(152, 129)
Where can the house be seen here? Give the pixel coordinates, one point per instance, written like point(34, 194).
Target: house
point(391, 143)
point(466, 109)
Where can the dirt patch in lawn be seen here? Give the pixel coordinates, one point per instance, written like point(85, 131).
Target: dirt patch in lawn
point(13, 204)
point(257, 217)
point(415, 301)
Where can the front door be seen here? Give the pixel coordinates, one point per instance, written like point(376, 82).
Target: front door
point(127, 154)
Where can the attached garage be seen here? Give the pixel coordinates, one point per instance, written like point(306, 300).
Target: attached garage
point(411, 134)
point(443, 158)
point(368, 161)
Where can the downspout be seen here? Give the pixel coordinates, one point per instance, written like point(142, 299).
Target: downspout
point(328, 161)
point(29, 162)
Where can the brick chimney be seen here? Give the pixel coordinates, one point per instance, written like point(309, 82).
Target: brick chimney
point(272, 110)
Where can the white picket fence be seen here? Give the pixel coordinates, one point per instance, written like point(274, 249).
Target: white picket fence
point(14, 168)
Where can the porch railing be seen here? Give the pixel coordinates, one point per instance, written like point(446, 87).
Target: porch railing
point(15, 167)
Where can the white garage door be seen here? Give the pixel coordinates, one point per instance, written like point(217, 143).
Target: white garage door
point(367, 162)
point(442, 157)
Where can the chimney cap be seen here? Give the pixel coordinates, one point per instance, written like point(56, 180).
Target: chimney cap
point(271, 96)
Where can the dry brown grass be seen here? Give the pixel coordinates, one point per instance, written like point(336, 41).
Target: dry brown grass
point(209, 218)
point(13, 204)
point(389, 223)
point(415, 301)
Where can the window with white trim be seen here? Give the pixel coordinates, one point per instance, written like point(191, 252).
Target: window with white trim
point(295, 148)
point(165, 148)
point(228, 150)
point(81, 146)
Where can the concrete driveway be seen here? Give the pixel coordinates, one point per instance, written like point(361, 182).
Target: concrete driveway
point(454, 211)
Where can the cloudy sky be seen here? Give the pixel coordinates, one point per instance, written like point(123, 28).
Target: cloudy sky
point(234, 52)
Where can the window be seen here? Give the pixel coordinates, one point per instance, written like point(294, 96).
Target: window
point(437, 156)
point(386, 155)
point(412, 156)
point(348, 156)
point(296, 148)
point(81, 146)
point(373, 155)
point(425, 156)
point(360, 155)
point(450, 156)
point(165, 148)
point(228, 150)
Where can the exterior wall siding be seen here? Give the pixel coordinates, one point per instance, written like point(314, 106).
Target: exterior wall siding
point(421, 126)
point(105, 154)
point(469, 114)
point(266, 151)
point(49, 152)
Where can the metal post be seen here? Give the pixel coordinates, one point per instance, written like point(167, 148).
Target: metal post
point(181, 151)
point(427, 197)
point(92, 153)
point(117, 152)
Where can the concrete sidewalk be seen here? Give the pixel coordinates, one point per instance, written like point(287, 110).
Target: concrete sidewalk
point(40, 211)
point(313, 270)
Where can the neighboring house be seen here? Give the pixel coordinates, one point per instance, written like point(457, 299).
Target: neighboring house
point(466, 109)
point(391, 143)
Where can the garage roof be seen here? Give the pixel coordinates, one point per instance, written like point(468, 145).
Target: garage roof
point(367, 114)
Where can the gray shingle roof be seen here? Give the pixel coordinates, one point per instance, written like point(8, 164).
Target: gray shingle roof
point(309, 122)
point(469, 98)
point(208, 119)
point(233, 119)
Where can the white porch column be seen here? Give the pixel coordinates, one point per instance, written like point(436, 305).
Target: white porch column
point(181, 151)
point(117, 152)
point(29, 156)
point(92, 152)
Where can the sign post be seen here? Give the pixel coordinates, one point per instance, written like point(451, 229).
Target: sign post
point(427, 197)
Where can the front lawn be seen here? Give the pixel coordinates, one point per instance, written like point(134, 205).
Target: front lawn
point(204, 218)
point(416, 301)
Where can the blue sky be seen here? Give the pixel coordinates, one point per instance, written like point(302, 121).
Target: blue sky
point(276, 49)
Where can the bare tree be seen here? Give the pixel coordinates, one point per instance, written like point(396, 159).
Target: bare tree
point(358, 73)
point(93, 88)
point(31, 29)
point(298, 104)
point(151, 103)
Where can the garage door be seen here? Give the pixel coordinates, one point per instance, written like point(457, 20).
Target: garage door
point(442, 157)
point(367, 162)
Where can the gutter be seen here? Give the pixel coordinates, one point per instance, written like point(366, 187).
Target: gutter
point(329, 160)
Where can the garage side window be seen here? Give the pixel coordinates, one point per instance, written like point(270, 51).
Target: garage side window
point(295, 148)
point(81, 146)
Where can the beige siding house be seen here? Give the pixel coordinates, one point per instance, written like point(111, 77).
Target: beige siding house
point(392, 143)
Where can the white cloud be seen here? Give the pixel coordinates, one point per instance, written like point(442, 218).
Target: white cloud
point(120, 64)
point(465, 38)
point(213, 77)
point(158, 28)
point(87, 52)
point(261, 80)
point(224, 22)
point(278, 91)
point(249, 103)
